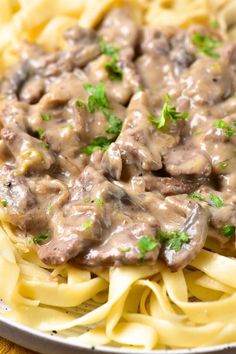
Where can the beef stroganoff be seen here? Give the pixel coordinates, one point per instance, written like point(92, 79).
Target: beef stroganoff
point(117, 176)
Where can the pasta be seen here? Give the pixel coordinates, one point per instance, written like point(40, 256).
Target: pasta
point(142, 307)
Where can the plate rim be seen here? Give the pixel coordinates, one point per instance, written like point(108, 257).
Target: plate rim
point(104, 349)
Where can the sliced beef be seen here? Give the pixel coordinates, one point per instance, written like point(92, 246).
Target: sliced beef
point(196, 227)
point(187, 161)
point(17, 200)
point(29, 152)
point(140, 144)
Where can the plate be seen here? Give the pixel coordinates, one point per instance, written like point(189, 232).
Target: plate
point(47, 343)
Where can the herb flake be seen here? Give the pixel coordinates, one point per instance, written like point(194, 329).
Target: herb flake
point(173, 239)
point(168, 113)
point(41, 238)
point(146, 244)
point(206, 44)
point(46, 117)
point(86, 225)
point(99, 143)
point(216, 201)
point(4, 203)
point(228, 231)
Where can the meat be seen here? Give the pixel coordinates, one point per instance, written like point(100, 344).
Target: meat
point(196, 227)
point(184, 161)
point(139, 145)
point(120, 149)
point(17, 199)
point(30, 153)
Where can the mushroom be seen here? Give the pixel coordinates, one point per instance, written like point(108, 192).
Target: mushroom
point(196, 227)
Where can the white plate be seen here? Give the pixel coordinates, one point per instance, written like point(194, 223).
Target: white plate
point(50, 344)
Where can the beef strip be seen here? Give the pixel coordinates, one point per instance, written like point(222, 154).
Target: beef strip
point(70, 169)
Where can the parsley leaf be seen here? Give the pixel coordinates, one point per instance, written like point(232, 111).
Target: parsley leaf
point(216, 201)
point(168, 113)
point(228, 231)
point(197, 196)
point(99, 202)
point(174, 239)
point(41, 238)
point(223, 165)
point(124, 249)
point(98, 98)
point(206, 44)
point(87, 225)
point(146, 244)
point(80, 103)
point(108, 49)
point(113, 69)
point(214, 24)
point(115, 124)
point(221, 124)
point(45, 145)
point(40, 132)
point(4, 203)
point(46, 117)
point(99, 143)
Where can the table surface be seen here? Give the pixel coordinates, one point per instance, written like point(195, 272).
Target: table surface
point(10, 348)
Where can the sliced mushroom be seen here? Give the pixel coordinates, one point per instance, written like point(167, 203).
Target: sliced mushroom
point(196, 227)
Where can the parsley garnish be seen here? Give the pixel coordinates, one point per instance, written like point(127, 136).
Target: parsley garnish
point(87, 225)
point(98, 99)
point(197, 196)
point(113, 69)
point(4, 203)
point(99, 143)
point(223, 165)
point(221, 124)
point(46, 117)
point(174, 239)
point(40, 132)
point(45, 145)
point(124, 249)
point(80, 103)
point(206, 44)
point(41, 238)
point(115, 123)
point(99, 202)
point(214, 24)
point(146, 244)
point(228, 231)
point(168, 113)
point(216, 201)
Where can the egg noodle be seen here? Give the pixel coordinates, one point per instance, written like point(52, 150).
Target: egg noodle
point(133, 307)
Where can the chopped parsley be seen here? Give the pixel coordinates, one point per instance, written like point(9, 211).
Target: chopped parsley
point(228, 131)
point(146, 244)
point(45, 145)
point(173, 239)
point(86, 225)
point(46, 117)
point(114, 71)
point(197, 196)
point(214, 24)
point(216, 201)
point(223, 165)
point(80, 103)
point(206, 44)
point(228, 231)
point(124, 249)
point(41, 238)
point(168, 113)
point(98, 99)
point(99, 202)
point(49, 208)
point(86, 200)
point(40, 132)
point(4, 203)
point(99, 143)
point(115, 124)
point(139, 89)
